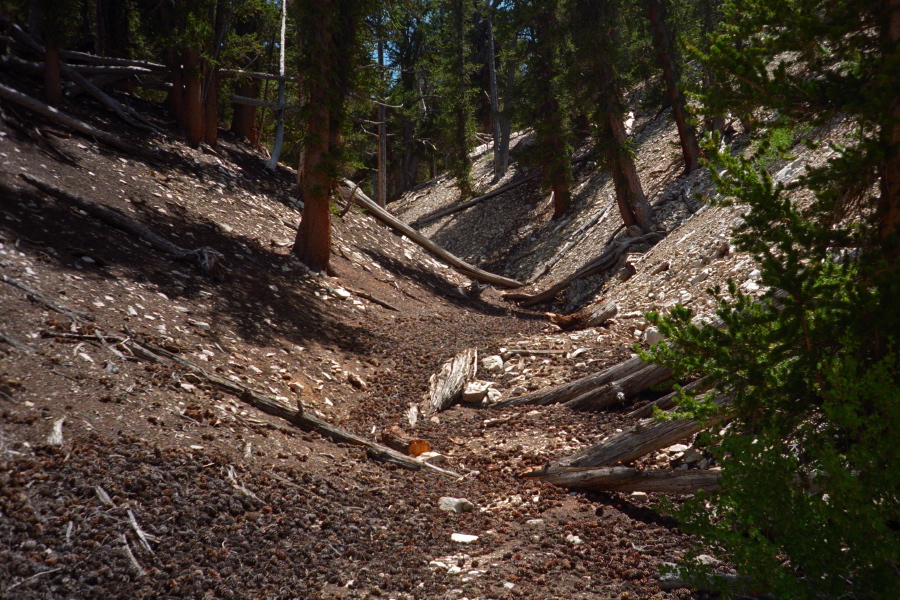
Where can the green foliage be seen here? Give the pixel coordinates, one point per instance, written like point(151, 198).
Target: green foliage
point(811, 500)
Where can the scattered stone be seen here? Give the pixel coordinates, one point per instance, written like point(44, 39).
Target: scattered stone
point(709, 561)
point(639, 497)
point(356, 381)
point(189, 388)
point(296, 387)
point(475, 391)
point(573, 539)
point(341, 294)
point(492, 364)
point(692, 455)
point(463, 538)
point(432, 458)
point(535, 522)
point(684, 297)
point(533, 415)
point(455, 505)
point(675, 448)
point(652, 336)
point(701, 277)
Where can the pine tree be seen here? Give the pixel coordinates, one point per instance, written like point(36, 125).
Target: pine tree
point(330, 47)
point(811, 473)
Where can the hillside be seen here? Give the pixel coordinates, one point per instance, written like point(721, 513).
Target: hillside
point(123, 478)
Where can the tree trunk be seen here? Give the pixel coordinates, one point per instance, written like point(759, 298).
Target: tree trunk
point(623, 479)
point(495, 103)
point(272, 163)
point(665, 51)
point(889, 202)
point(192, 107)
point(633, 203)
point(313, 244)
point(382, 128)
point(52, 73)
point(505, 125)
point(243, 122)
point(211, 108)
point(639, 440)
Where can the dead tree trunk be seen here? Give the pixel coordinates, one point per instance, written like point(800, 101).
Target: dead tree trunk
point(400, 441)
point(447, 386)
point(617, 391)
point(647, 436)
point(624, 479)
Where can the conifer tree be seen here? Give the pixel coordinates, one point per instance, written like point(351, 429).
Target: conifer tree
point(330, 48)
point(811, 473)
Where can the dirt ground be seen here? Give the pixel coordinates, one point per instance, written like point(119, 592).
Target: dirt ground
point(125, 479)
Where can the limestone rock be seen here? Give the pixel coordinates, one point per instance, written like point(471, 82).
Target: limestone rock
point(492, 364)
point(455, 505)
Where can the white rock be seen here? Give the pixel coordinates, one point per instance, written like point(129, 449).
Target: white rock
point(676, 448)
point(692, 455)
point(189, 387)
point(475, 391)
point(639, 496)
point(652, 336)
point(492, 364)
point(341, 293)
point(463, 538)
point(455, 505)
point(685, 297)
point(749, 286)
point(533, 415)
point(701, 277)
point(493, 395)
point(432, 458)
point(573, 539)
point(535, 522)
point(296, 387)
point(710, 561)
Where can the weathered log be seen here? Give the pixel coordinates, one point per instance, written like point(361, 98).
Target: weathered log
point(273, 407)
point(8, 93)
point(473, 201)
point(645, 437)
point(258, 75)
point(596, 314)
point(124, 113)
point(619, 390)
point(16, 343)
point(36, 296)
point(668, 401)
point(446, 386)
point(352, 191)
point(399, 440)
point(605, 261)
point(579, 387)
point(738, 586)
point(625, 479)
point(207, 259)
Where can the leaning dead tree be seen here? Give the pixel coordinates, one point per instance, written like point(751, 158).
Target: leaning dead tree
point(607, 260)
point(352, 192)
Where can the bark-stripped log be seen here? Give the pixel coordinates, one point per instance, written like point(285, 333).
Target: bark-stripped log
point(446, 386)
point(624, 479)
point(8, 93)
point(616, 392)
point(352, 191)
point(647, 436)
point(668, 401)
point(399, 440)
point(579, 387)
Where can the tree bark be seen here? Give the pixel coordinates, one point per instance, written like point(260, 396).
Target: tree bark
point(617, 391)
point(624, 479)
point(192, 105)
point(889, 202)
point(351, 190)
point(639, 440)
point(243, 122)
point(665, 51)
point(446, 386)
point(211, 109)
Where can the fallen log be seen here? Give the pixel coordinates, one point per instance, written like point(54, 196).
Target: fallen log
point(619, 390)
point(352, 192)
point(645, 437)
point(16, 343)
point(36, 106)
point(44, 300)
point(205, 258)
point(124, 113)
point(596, 314)
point(446, 386)
point(399, 440)
point(605, 261)
point(668, 401)
point(579, 387)
point(295, 416)
point(473, 201)
point(625, 479)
